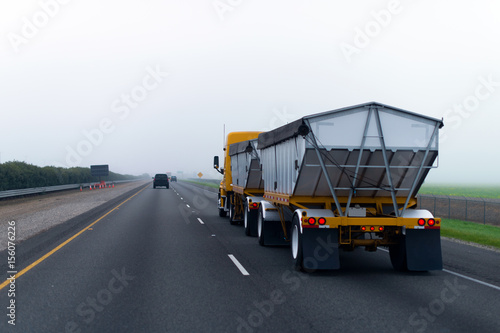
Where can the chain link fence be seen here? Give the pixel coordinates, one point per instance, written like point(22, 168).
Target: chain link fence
point(480, 210)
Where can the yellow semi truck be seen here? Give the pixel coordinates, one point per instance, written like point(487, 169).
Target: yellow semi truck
point(241, 187)
point(344, 179)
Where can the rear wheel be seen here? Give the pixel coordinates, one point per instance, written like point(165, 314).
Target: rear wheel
point(246, 222)
point(222, 212)
point(260, 227)
point(297, 255)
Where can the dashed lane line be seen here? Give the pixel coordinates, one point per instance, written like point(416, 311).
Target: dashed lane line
point(237, 263)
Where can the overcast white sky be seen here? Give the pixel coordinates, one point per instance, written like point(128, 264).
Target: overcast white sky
point(146, 86)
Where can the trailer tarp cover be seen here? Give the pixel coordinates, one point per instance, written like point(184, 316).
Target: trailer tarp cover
point(279, 134)
point(239, 147)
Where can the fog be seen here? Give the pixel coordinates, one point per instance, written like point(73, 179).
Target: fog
point(151, 86)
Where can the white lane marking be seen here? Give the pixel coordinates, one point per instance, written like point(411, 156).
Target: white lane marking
point(188, 206)
point(464, 276)
point(237, 263)
point(199, 220)
point(182, 198)
point(472, 279)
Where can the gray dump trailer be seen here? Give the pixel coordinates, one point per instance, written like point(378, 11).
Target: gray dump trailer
point(348, 178)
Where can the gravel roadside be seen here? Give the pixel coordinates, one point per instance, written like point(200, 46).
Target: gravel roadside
point(37, 214)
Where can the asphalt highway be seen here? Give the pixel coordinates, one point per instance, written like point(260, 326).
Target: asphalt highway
point(162, 260)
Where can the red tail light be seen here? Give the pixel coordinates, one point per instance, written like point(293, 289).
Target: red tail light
point(431, 222)
point(421, 222)
point(363, 228)
point(380, 228)
point(322, 221)
point(311, 220)
point(372, 228)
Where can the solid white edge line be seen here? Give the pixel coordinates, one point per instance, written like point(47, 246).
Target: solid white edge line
point(464, 276)
point(472, 279)
point(199, 220)
point(237, 263)
point(188, 206)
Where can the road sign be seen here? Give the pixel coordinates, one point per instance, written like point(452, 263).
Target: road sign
point(200, 174)
point(99, 170)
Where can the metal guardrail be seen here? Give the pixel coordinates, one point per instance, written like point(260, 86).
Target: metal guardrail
point(46, 189)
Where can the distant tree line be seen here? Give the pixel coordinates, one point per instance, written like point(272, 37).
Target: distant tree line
point(17, 175)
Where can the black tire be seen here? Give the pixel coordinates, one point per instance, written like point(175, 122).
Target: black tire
point(296, 245)
point(245, 222)
point(168, 186)
point(222, 212)
point(260, 228)
point(154, 186)
point(397, 254)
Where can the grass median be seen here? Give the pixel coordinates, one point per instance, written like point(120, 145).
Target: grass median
point(485, 191)
point(488, 235)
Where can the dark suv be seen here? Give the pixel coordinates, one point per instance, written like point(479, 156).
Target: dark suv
point(160, 179)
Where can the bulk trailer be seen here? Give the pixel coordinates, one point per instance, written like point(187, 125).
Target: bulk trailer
point(348, 178)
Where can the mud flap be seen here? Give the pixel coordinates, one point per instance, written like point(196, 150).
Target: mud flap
point(320, 248)
point(423, 250)
point(274, 234)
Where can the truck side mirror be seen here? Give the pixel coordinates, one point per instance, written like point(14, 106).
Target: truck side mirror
point(216, 165)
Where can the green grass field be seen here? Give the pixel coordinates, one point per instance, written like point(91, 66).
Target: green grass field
point(491, 192)
point(471, 232)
